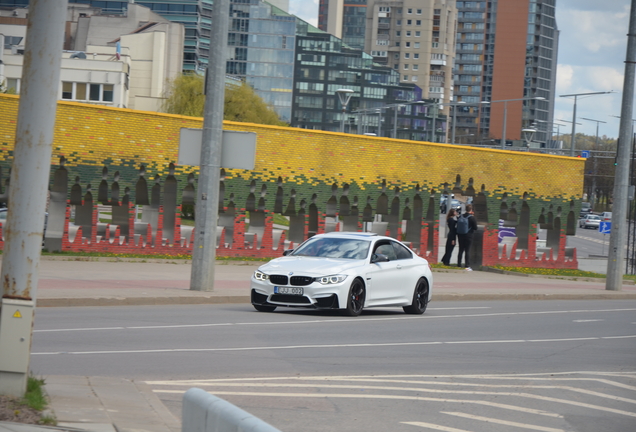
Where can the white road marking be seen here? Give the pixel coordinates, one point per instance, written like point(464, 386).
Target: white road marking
point(368, 396)
point(290, 347)
point(435, 427)
point(551, 377)
point(338, 321)
point(587, 320)
point(203, 383)
point(461, 392)
point(504, 422)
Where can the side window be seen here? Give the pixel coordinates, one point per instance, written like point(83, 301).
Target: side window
point(401, 252)
point(386, 249)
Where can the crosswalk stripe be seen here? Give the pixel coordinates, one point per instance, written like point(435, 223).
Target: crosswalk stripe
point(368, 396)
point(417, 389)
point(504, 422)
point(435, 427)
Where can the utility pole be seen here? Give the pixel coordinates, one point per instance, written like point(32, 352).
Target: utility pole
point(207, 206)
point(27, 194)
point(618, 235)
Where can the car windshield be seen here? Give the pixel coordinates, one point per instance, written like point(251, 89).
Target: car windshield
point(594, 217)
point(334, 248)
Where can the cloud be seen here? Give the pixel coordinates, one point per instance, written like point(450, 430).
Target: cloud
point(565, 73)
point(592, 47)
point(592, 37)
point(581, 79)
point(306, 10)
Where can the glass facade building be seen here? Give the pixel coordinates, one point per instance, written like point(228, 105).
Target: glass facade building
point(261, 42)
point(380, 103)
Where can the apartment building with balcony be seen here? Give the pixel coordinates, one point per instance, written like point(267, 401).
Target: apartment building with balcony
point(414, 38)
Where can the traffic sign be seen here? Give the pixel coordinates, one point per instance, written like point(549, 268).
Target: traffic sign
point(585, 153)
point(605, 227)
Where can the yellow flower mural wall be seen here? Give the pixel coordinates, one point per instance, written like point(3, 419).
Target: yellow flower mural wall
point(300, 167)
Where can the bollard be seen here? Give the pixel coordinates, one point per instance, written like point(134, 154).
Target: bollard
point(203, 412)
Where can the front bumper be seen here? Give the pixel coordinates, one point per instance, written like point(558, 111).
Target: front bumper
point(315, 295)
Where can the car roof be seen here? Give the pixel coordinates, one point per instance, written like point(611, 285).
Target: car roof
point(352, 235)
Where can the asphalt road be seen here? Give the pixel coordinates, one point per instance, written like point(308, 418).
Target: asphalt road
point(589, 242)
point(471, 366)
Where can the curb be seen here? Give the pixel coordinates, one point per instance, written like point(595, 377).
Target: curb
point(168, 301)
point(140, 301)
point(539, 276)
point(220, 261)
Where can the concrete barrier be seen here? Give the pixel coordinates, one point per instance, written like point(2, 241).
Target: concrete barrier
point(203, 412)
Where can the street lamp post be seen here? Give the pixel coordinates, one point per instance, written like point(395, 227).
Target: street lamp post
point(454, 105)
point(558, 126)
point(395, 112)
point(396, 107)
point(576, 95)
point(505, 117)
point(345, 96)
point(436, 106)
point(595, 158)
point(568, 121)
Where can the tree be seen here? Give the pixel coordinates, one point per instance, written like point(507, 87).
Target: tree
point(4, 89)
point(185, 96)
point(242, 104)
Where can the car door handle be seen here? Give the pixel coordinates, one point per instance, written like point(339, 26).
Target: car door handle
point(398, 267)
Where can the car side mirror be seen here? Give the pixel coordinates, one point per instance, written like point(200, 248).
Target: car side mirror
point(375, 258)
point(287, 252)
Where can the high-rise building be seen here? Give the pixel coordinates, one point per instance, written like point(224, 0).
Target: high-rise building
point(413, 37)
point(506, 54)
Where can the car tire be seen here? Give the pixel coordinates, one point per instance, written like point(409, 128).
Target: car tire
point(420, 298)
point(355, 299)
point(264, 308)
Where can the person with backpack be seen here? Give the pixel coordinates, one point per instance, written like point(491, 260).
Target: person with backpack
point(451, 223)
point(466, 225)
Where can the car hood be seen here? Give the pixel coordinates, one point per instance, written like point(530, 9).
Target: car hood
point(310, 266)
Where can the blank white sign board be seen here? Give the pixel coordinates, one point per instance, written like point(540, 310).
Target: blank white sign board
point(238, 149)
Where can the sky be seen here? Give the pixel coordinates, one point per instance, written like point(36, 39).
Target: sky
point(592, 49)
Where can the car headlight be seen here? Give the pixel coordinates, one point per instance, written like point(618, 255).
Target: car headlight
point(332, 279)
point(260, 276)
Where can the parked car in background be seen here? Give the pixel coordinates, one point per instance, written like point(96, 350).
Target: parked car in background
point(586, 208)
point(590, 221)
point(3, 220)
point(456, 204)
point(606, 216)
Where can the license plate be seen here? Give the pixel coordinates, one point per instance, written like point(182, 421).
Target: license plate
point(288, 290)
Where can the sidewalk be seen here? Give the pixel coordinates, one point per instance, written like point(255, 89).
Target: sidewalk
point(106, 281)
point(118, 405)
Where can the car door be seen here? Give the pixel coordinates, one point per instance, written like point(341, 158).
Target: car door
point(381, 276)
point(408, 272)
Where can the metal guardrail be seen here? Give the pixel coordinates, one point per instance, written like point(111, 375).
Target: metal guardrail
point(203, 412)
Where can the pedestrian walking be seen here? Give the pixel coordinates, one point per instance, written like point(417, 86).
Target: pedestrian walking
point(451, 223)
point(466, 226)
